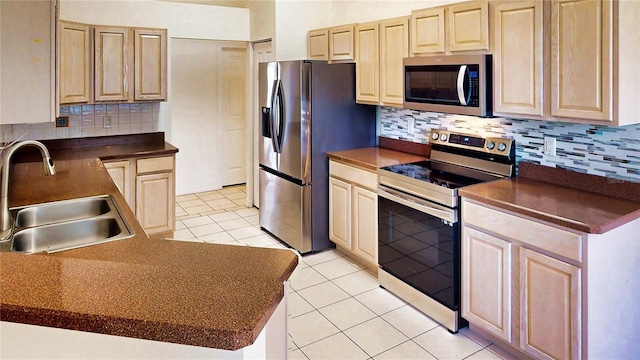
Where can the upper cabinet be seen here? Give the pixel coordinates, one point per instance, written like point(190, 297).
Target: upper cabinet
point(518, 58)
point(581, 59)
point(113, 55)
point(558, 60)
point(129, 64)
point(380, 48)
point(334, 44)
point(459, 27)
point(27, 53)
point(74, 54)
point(341, 43)
point(318, 44)
point(150, 64)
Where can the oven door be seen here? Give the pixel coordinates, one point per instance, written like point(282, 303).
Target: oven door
point(419, 243)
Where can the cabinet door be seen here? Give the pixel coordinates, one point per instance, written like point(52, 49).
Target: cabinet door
point(27, 49)
point(122, 175)
point(317, 44)
point(367, 64)
point(112, 63)
point(518, 58)
point(74, 54)
point(394, 46)
point(155, 202)
point(550, 302)
point(468, 26)
point(581, 60)
point(150, 64)
point(341, 43)
point(365, 224)
point(340, 212)
point(486, 282)
point(427, 31)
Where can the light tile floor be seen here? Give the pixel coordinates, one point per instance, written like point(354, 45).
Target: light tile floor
point(336, 308)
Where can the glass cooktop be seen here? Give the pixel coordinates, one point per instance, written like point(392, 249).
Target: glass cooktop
point(445, 175)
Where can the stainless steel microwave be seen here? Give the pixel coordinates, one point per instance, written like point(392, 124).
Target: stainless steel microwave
point(457, 84)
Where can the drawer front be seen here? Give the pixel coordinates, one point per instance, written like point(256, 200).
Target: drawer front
point(554, 240)
point(156, 164)
point(361, 177)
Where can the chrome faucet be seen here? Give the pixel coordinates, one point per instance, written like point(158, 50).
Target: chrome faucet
point(49, 169)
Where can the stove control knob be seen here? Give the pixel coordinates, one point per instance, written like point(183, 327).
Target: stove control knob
point(443, 137)
point(434, 136)
point(502, 146)
point(491, 145)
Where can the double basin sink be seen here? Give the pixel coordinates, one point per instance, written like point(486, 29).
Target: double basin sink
point(65, 225)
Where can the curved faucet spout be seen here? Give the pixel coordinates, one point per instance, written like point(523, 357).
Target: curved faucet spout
point(49, 169)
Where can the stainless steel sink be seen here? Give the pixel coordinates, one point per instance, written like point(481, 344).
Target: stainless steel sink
point(66, 225)
point(61, 211)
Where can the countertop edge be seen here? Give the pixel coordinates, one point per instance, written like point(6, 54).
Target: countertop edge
point(555, 220)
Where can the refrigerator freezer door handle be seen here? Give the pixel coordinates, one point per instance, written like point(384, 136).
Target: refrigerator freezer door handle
point(272, 114)
point(281, 116)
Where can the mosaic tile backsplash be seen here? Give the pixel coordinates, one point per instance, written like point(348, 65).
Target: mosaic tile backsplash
point(600, 150)
point(87, 121)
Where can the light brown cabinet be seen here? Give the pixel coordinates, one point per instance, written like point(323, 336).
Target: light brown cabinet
point(459, 27)
point(335, 44)
point(581, 63)
point(558, 60)
point(353, 212)
point(75, 57)
point(427, 31)
point(545, 290)
point(148, 186)
point(122, 173)
point(367, 63)
point(380, 48)
point(518, 58)
point(113, 63)
point(129, 64)
point(150, 64)
point(543, 303)
point(341, 47)
point(318, 44)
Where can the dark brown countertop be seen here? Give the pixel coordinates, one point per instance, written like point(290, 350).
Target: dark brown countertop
point(372, 158)
point(217, 296)
point(569, 206)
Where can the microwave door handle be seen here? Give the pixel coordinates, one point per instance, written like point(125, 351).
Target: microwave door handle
point(461, 74)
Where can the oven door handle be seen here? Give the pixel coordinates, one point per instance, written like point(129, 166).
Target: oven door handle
point(418, 204)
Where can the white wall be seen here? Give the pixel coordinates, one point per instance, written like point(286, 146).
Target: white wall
point(355, 11)
point(181, 20)
point(263, 19)
point(293, 20)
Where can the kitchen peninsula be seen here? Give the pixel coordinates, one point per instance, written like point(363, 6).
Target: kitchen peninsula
point(136, 297)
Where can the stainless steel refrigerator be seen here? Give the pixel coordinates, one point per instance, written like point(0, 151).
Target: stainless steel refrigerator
point(308, 108)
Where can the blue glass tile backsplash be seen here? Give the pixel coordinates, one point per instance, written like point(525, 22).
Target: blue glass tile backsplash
point(600, 150)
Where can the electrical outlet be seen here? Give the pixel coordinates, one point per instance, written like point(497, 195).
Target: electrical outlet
point(62, 121)
point(106, 121)
point(411, 124)
point(550, 146)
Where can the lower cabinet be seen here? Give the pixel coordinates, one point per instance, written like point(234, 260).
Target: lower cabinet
point(148, 186)
point(353, 211)
point(544, 291)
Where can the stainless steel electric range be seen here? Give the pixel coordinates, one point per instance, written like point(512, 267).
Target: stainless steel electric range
point(418, 219)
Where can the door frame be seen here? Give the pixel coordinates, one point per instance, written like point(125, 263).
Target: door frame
point(252, 126)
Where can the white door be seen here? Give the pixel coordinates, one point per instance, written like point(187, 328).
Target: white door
point(261, 53)
point(233, 94)
point(194, 127)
